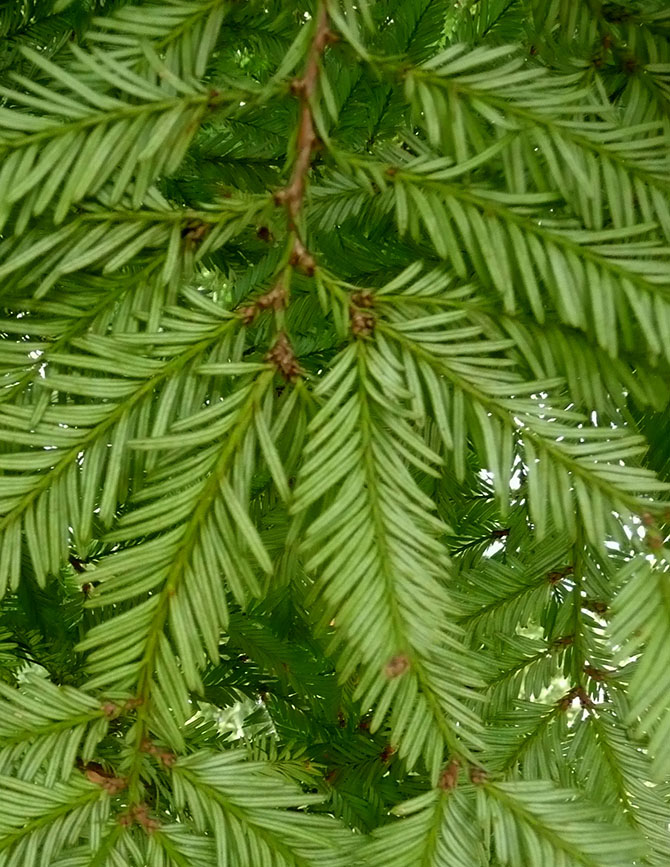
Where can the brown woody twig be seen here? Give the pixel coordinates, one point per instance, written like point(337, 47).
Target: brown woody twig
point(292, 195)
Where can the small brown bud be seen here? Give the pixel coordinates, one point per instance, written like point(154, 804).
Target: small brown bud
point(596, 606)
point(396, 666)
point(500, 534)
point(576, 692)
point(195, 232)
point(362, 320)
point(559, 574)
point(110, 709)
point(566, 701)
point(283, 358)
point(477, 775)
point(449, 777)
point(584, 698)
point(140, 813)
point(275, 299)
point(362, 324)
point(302, 258)
point(363, 299)
point(654, 540)
point(248, 314)
point(596, 674)
point(386, 753)
point(95, 773)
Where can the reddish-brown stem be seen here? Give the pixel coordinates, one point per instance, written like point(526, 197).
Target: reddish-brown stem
point(292, 196)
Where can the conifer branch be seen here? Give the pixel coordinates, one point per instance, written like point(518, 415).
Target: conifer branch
point(378, 549)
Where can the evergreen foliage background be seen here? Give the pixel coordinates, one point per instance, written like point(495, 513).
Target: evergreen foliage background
point(334, 446)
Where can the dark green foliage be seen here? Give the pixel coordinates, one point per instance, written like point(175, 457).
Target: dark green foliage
point(334, 445)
